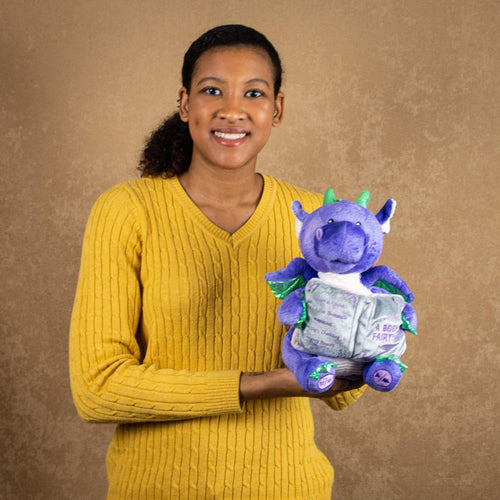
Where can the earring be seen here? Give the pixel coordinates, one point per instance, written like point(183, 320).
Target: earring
point(178, 102)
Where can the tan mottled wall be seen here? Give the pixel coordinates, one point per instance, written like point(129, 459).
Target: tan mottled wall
point(399, 97)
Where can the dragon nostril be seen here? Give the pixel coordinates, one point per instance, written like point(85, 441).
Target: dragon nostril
point(319, 233)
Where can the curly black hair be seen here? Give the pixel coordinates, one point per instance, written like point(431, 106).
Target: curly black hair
point(169, 149)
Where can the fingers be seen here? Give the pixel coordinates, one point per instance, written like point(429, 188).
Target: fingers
point(340, 385)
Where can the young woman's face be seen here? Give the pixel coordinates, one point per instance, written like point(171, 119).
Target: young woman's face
point(231, 106)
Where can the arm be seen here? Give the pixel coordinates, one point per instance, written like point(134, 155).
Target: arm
point(109, 381)
point(382, 279)
point(296, 267)
point(392, 280)
point(288, 284)
point(282, 383)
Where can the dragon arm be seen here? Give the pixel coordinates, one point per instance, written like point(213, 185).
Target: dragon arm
point(383, 277)
point(292, 311)
point(409, 319)
point(294, 276)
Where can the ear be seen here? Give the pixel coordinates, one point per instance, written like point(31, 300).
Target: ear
point(385, 214)
point(183, 104)
point(279, 104)
point(300, 216)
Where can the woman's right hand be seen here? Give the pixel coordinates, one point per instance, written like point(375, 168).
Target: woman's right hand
point(282, 383)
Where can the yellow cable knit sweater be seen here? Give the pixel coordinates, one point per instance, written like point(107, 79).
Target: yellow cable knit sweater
point(169, 310)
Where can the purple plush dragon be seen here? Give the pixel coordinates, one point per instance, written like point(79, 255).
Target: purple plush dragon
point(347, 318)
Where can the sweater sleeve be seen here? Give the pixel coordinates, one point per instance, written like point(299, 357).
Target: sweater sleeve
point(108, 380)
point(344, 399)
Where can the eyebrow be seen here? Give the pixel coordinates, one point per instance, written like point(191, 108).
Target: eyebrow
point(220, 80)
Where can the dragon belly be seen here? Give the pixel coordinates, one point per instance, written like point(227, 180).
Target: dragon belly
point(348, 328)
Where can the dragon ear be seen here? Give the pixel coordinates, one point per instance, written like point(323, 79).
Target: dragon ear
point(300, 216)
point(385, 214)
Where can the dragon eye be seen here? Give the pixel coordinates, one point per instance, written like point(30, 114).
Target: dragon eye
point(330, 221)
point(358, 223)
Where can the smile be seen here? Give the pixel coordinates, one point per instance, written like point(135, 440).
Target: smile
point(230, 137)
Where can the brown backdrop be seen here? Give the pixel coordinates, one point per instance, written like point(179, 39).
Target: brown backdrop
point(399, 97)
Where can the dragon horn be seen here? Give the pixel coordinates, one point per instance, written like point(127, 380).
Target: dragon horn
point(363, 199)
point(329, 197)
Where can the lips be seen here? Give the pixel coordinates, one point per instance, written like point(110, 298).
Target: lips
point(230, 137)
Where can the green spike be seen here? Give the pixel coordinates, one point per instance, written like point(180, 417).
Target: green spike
point(329, 197)
point(364, 199)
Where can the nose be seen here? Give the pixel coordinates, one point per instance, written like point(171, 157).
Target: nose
point(232, 110)
point(342, 241)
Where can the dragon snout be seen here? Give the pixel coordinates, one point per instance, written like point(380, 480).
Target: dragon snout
point(340, 242)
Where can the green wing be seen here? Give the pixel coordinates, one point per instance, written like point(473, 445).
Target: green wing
point(281, 289)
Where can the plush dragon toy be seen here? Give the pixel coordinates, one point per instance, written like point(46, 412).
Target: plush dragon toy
point(347, 318)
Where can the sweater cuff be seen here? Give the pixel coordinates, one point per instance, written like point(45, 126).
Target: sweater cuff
point(223, 395)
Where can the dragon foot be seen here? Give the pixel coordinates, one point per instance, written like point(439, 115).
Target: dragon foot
point(383, 374)
point(314, 374)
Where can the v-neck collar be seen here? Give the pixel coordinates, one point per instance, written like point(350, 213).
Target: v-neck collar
point(263, 208)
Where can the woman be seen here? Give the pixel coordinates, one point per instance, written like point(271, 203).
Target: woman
point(174, 334)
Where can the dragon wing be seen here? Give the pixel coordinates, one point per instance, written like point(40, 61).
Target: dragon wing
point(282, 289)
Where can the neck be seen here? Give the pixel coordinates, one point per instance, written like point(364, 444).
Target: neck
point(222, 188)
point(228, 198)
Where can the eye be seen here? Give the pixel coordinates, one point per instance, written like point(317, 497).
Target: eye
point(254, 93)
point(211, 91)
point(358, 223)
point(330, 221)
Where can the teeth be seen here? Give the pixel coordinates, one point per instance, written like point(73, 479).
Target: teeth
point(231, 137)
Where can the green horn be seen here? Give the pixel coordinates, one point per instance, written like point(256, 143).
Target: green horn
point(329, 197)
point(363, 199)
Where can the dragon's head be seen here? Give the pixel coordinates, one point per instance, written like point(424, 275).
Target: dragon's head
point(342, 236)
